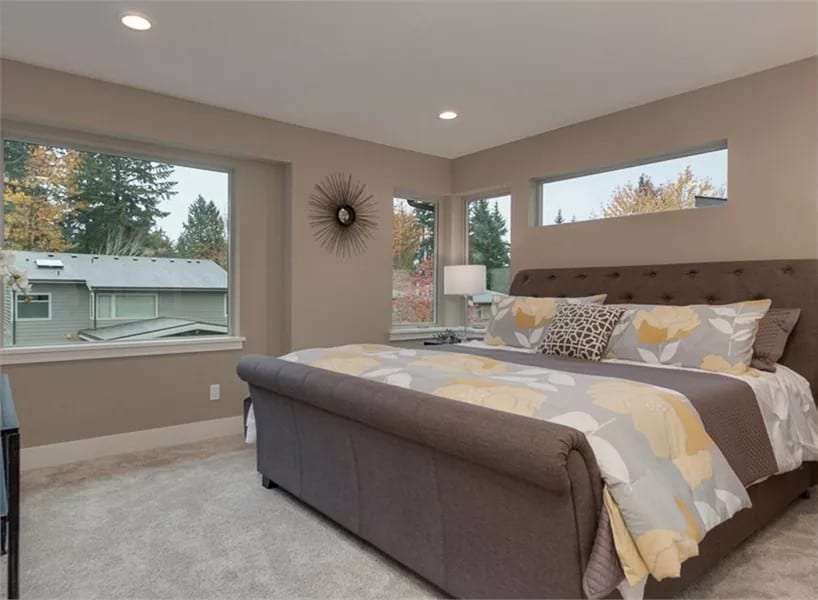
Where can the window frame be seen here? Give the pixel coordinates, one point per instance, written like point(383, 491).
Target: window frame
point(18, 297)
point(437, 292)
point(87, 142)
point(113, 295)
point(539, 182)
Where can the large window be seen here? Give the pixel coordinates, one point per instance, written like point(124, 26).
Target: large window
point(115, 247)
point(489, 243)
point(414, 257)
point(694, 180)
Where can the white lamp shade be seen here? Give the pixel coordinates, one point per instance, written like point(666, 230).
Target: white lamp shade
point(463, 280)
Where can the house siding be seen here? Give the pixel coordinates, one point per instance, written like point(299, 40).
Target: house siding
point(71, 312)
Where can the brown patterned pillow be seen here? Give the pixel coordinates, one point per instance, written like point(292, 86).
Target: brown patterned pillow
point(581, 330)
point(774, 330)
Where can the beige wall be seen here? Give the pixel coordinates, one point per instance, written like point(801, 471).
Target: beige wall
point(769, 120)
point(283, 270)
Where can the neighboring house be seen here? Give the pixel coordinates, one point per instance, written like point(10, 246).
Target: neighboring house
point(85, 297)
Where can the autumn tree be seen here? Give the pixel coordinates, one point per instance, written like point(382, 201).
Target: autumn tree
point(406, 238)
point(203, 234)
point(415, 303)
point(36, 180)
point(646, 197)
point(116, 198)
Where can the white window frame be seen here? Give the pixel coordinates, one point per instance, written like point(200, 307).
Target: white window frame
point(233, 341)
point(434, 324)
point(542, 181)
point(113, 295)
point(21, 298)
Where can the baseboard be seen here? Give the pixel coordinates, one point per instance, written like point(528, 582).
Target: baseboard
point(52, 455)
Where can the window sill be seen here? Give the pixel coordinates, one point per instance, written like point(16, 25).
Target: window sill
point(408, 334)
point(98, 350)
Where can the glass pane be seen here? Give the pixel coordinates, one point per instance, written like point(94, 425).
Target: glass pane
point(489, 229)
point(122, 224)
point(104, 306)
point(694, 181)
point(34, 307)
point(135, 307)
point(413, 261)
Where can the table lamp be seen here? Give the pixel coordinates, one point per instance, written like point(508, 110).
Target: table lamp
point(464, 280)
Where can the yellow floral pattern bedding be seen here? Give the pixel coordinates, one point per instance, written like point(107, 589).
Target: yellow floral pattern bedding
point(666, 482)
point(701, 336)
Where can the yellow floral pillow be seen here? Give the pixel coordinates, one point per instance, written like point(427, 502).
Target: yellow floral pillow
point(714, 338)
point(522, 321)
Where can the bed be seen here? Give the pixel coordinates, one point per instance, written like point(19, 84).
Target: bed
point(484, 503)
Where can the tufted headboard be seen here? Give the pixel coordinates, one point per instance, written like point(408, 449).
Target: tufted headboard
point(788, 283)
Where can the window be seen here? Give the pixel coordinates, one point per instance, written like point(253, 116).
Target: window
point(414, 257)
point(33, 307)
point(126, 306)
point(691, 180)
point(128, 248)
point(488, 223)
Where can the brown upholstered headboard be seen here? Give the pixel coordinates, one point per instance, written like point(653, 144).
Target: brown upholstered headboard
point(788, 283)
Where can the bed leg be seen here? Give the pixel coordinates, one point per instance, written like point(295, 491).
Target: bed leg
point(806, 495)
point(267, 484)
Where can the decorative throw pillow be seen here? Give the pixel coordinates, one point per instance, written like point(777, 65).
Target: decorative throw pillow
point(581, 330)
point(522, 321)
point(713, 338)
point(773, 332)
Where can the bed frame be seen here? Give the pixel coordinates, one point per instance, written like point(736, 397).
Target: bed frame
point(488, 504)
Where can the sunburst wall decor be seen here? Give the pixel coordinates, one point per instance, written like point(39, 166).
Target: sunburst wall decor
point(342, 214)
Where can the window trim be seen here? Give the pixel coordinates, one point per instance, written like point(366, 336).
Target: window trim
point(87, 142)
point(21, 297)
point(539, 182)
point(437, 292)
point(113, 296)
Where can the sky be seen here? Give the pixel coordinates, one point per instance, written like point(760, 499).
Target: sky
point(579, 196)
point(213, 185)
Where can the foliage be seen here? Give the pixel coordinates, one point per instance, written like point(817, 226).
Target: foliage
point(117, 197)
point(426, 216)
point(646, 197)
point(203, 234)
point(406, 234)
point(559, 219)
point(487, 230)
point(414, 303)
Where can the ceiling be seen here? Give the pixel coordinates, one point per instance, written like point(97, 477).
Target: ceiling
point(383, 72)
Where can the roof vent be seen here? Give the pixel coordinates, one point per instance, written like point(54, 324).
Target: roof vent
point(48, 263)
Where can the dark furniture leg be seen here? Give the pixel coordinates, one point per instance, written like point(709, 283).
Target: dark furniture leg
point(806, 495)
point(2, 536)
point(13, 481)
point(267, 484)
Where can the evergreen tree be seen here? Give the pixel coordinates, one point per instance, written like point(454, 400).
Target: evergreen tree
point(559, 219)
point(425, 215)
point(487, 230)
point(117, 198)
point(203, 234)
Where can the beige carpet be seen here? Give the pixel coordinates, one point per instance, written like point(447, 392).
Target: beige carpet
point(194, 522)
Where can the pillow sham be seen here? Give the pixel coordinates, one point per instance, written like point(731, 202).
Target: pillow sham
point(581, 330)
point(774, 330)
point(714, 338)
point(521, 321)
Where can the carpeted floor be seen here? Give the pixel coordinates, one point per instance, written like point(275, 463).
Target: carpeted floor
point(194, 522)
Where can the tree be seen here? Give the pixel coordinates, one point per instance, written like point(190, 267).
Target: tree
point(425, 214)
point(36, 180)
point(487, 230)
point(406, 237)
point(203, 234)
point(414, 303)
point(116, 198)
point(559, 219)
point(646, 197)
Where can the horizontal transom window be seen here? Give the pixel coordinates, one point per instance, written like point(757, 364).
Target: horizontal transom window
point(690, 180)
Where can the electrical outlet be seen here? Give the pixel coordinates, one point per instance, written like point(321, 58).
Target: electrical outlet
point(215, 391)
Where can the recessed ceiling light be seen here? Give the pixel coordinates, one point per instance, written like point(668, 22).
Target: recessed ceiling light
point(448, 115)
point(136, 22)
